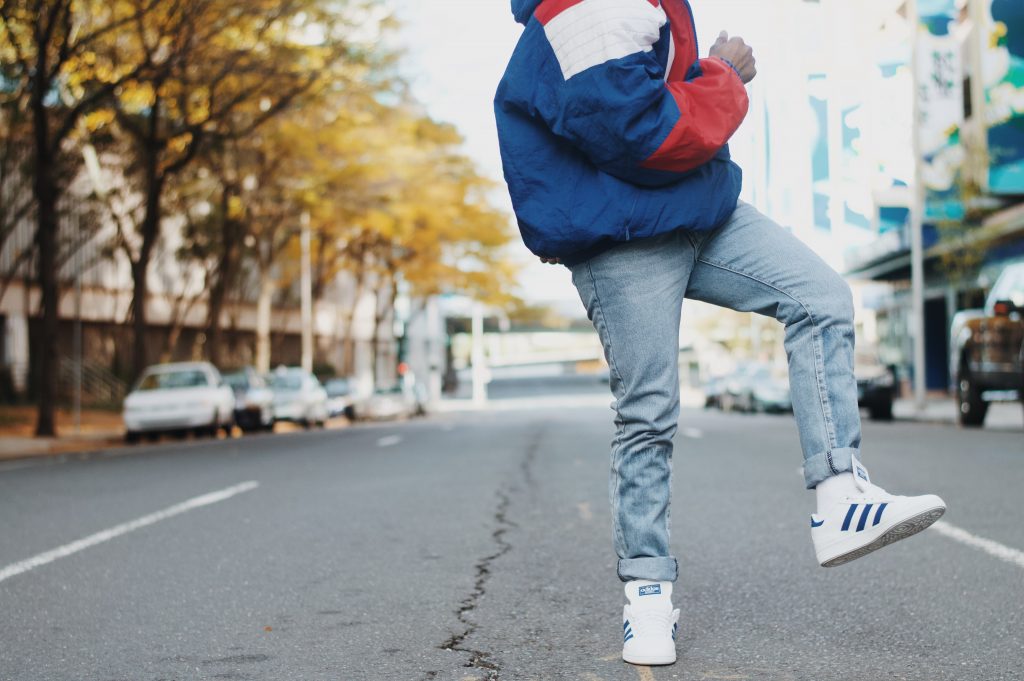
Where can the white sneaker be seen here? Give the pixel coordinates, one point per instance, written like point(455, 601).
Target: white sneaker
point(649, 623)
point(856, 517)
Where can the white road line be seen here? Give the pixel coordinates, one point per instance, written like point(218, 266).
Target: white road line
point(990, 547)
point(645, 673)
point(389, 441)
point(124, 528)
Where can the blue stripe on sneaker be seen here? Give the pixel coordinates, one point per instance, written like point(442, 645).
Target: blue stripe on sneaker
point(878, 516)
point(864, 517)
point(627, 638)
point(849, 517)
point(625, 624)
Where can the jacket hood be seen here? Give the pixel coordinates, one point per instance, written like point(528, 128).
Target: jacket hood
point(522, 10)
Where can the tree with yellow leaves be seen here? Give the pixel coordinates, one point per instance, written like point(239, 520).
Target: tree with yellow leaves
point(50, 67)
point(423, 218)
point(204, 72)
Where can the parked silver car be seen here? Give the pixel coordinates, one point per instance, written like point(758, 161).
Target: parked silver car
point(177, 398)
point(298, 397)
point(254, 400)
point(404, 400)
point(341, 398)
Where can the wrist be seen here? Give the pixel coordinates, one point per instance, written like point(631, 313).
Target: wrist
point(731, 66)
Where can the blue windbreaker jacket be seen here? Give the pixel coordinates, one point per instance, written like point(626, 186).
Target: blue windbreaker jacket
point(611, 128)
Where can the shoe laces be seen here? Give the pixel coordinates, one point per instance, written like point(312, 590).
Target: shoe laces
point(872, 492)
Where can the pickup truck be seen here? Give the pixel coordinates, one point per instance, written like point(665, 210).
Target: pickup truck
point(987, 349)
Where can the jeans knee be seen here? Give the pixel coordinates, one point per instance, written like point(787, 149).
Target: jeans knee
point(840, 302)
point(843, 310)
point(832, 304)
point(652, 428)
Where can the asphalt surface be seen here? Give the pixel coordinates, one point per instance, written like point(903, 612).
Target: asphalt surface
point(478, 546)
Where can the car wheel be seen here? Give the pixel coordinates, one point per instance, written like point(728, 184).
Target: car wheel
point(210, 430)
point(972, 409)
point(132, 437)
point(881, 411)
point(153, 436)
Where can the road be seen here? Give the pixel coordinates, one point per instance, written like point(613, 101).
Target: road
point(477, 546)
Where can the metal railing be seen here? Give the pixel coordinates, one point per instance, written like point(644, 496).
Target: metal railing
point(89, 383)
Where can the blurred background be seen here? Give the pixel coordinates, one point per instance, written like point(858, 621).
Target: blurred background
point(303, 200)
point(278, 229)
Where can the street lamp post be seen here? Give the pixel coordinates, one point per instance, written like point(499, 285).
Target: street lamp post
point(916, 322)
point(479, 371)
point(307, 296)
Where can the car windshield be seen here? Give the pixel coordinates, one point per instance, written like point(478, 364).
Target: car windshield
point(1010, 285)
point(239, 381)
point(287, 381)
point(337, 387)
point(169, 380)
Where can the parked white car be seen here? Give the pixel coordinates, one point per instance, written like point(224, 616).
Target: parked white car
point(405, 400)
point(176, 398)
point(341, 397)
point(298, 397)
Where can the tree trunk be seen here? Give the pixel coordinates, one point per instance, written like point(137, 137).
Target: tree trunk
point(46, 244)
point(181, 312)
point(46, 195)
point(379, 317)
point(140, 266)
point(263, 307)
point(348, 342)
point(230, 239)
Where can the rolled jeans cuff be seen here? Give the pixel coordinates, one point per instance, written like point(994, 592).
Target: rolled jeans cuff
point(655, 569)
point(825, 465)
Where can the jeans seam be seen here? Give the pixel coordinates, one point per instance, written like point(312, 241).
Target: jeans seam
point(599, 317)
point(819, 359)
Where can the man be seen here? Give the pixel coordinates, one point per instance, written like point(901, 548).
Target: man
point(614, 142)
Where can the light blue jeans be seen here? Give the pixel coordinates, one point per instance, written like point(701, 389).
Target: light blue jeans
point(634, 294)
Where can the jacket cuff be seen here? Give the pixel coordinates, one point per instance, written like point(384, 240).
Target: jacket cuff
point(731, 66)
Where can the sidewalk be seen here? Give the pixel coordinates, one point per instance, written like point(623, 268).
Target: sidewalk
point(99, 430)
point(1001, 415)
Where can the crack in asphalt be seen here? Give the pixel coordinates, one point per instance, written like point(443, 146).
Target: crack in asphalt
point(480, 659)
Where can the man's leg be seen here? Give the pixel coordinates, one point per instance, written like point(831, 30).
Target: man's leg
point(633, 294)
point(753, 265)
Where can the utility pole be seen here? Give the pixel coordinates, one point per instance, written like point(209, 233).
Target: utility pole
point(479, 370)
point(307, 296)
point(916, 325)
point(77, 341)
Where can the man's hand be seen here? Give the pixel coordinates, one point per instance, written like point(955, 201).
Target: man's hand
point(550, 261)
point(736, 52)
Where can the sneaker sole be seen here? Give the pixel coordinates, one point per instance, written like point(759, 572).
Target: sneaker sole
point(901, 530)
point(652, 661)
